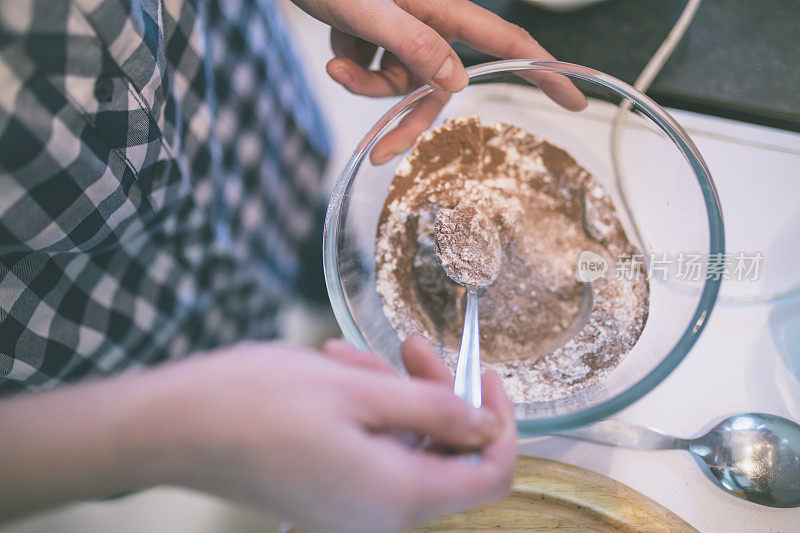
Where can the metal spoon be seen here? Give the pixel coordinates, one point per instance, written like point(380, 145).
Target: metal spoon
point(753, 456)
point(467, 385)
point(468, 247)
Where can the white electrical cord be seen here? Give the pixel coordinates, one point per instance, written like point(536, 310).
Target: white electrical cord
point(642, 83)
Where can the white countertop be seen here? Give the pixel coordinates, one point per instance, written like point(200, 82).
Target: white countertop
point(748, 357)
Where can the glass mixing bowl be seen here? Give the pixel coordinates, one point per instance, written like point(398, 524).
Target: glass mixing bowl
point(668, 192)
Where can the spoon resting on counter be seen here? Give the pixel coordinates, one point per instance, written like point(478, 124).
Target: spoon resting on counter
point(753, 456)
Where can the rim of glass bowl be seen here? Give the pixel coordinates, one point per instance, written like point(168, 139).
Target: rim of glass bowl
point(708, 297)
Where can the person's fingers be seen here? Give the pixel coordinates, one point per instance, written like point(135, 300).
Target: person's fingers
point(483, 30)
point(501, 453)
point(392, 79)
point(403, 136)
point(452, 483)
point(386, 404)
point(344, 352)
point(422, 362)
point(345, 45)
point(350, 65)
point(418, 46)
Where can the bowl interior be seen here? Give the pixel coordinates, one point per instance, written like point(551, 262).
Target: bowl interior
point(672, 215)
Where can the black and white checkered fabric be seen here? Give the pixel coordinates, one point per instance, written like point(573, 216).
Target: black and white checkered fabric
point(160, 190)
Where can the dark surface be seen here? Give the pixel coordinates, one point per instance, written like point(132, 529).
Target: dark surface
point(739, 59)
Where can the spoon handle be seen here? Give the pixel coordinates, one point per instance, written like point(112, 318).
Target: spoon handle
point(622, 434)
point(468, 369)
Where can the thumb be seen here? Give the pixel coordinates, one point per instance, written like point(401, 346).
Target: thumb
point(420, 48)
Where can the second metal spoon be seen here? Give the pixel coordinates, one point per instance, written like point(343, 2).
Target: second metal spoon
point(753, 456)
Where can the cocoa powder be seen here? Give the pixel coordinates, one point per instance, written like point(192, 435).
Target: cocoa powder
point(467, 246)
point(545, 210)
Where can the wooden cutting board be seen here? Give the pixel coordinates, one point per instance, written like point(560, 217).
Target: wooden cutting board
point(552, 496)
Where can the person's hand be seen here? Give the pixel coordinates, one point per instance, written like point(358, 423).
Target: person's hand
point(320, 441)
point(416, 36)
point(314, 439)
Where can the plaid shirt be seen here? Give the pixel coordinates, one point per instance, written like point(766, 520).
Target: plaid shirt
point(160, 192)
